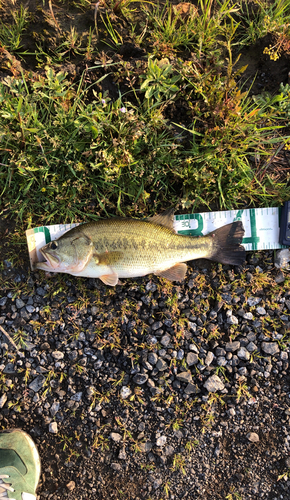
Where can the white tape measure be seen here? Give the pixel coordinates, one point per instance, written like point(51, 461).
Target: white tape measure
point(262, 227)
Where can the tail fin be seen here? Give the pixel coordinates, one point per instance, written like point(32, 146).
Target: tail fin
point(228, 248)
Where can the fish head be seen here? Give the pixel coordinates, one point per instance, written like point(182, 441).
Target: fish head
point(67, 254)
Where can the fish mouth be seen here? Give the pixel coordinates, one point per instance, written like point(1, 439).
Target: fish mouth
point(51, 261)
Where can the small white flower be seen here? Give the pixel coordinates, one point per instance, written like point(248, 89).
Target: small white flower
point(123, 109)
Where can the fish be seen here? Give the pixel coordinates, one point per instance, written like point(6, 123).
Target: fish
point(115, 248)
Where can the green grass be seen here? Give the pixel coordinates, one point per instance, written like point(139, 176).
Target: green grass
point(70, 151)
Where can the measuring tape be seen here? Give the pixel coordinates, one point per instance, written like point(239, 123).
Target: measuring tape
point(262, 225)
point(262, 228)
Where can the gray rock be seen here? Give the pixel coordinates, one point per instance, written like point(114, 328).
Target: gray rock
point(125, 392)
point(73, 355)
point(192, 326)
point(271, 348)
point(147, 365)
point(152, 358)
point(77, 397)
point(122, 454)
point(235, 360)
point(3, 301)
point(214, 384)
point(282, 258)
point(157, 325)
point(30, 309)
point(261, 311)
point(232, 346)
point(146, 447)
point(140, 378)
point(251, 347)
point(184, 377)
point(54, 409)
point(157, 483)
point(220, 351)
point(243, 354)
point(190, 389)
point(53, 428)
point(9, 369)
point(161, 365)
point(161, 441)
point(151, 287)
point(150, 383)
point(115, 466)
point(169, 450)
point(19, 303)
point(232, 320)
point(280, 278)
point(191, 358)
point(57, 355)
point(98, 364)
point(90, 391)
point(248, 315)
point(253, 301)
point(24, 314)
point(221, 361)
point(37, 383)
point(180, 354)
point(243, 371)
point(209, 358)
point(165, 340)
point(116, 437)
point(3, 400)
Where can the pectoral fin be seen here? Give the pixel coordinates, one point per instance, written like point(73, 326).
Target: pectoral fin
point(174, 273)
point(108, 258)
point(110, 279)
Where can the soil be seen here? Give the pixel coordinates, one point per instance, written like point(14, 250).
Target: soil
point(208, 452)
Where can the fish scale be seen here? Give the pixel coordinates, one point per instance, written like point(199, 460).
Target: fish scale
point(156, 247)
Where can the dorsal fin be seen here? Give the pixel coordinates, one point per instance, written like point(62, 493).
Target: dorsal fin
point(165, 219)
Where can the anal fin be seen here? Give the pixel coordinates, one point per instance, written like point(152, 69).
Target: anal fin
point(174, 273)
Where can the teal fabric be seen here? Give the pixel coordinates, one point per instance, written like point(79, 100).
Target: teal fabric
point(10, 457)
point(17, 481)
point(19, 460)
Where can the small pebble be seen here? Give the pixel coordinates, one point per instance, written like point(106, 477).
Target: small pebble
point(253, 437)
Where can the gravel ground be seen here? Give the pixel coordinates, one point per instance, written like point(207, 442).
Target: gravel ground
point(151, 390)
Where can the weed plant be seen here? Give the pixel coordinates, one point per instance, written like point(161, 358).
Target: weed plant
point(70, 149)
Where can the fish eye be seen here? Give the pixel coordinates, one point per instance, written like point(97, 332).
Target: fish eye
point(53, 245)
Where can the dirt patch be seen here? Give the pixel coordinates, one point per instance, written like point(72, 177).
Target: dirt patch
point(263, 74)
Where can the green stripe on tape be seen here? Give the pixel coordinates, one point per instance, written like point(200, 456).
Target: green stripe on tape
point(254, 238)
point(185, 223)
point(44, 230)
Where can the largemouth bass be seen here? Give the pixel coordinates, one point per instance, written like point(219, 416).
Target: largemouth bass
point(125, 248)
